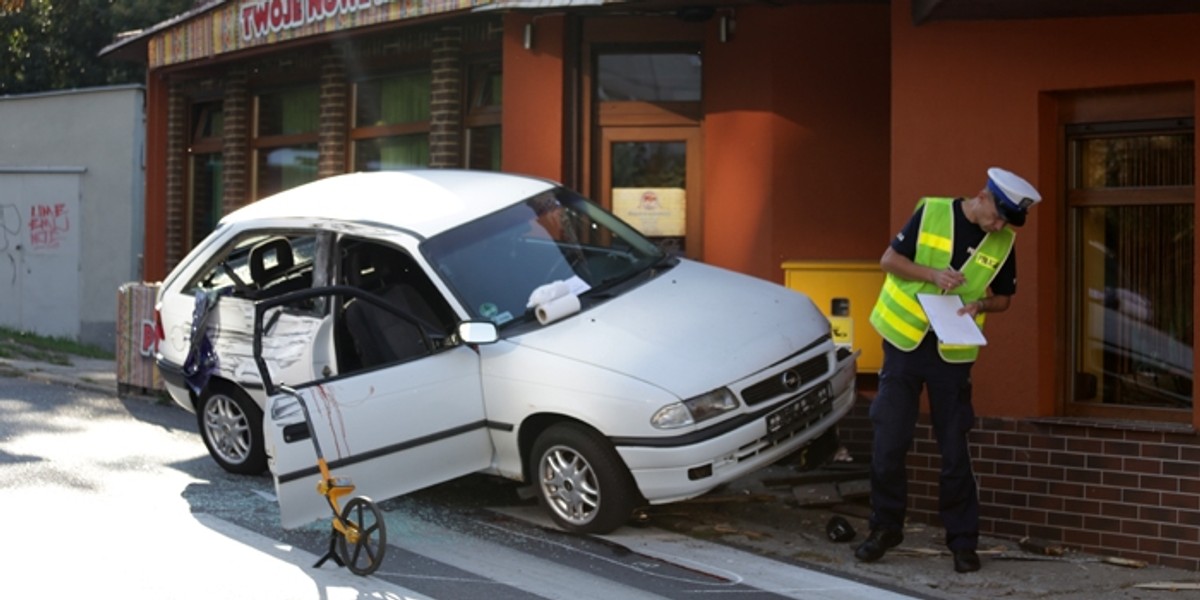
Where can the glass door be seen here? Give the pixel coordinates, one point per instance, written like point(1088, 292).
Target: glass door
point(650, 179)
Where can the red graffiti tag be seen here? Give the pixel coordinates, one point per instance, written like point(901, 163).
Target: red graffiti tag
point(48, 225)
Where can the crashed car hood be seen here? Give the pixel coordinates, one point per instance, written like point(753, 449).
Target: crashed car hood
point(663, 331)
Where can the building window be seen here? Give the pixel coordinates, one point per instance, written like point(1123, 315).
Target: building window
point(1130, 193)
point(484, 87)
point(204, 171)
point(285, 141)
point(648, 112)
point(391, 122)
point(649, 77)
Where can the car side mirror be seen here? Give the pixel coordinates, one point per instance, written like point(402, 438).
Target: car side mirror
point(477, 332)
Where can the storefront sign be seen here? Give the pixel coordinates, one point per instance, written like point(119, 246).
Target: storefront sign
point(655, 212)
point(261, 17)
point(247, 24)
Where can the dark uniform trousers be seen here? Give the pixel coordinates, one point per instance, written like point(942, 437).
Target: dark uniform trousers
point(894, 416)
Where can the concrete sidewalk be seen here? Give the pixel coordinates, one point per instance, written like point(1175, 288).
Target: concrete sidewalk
point(97, 375)
point(765, 514)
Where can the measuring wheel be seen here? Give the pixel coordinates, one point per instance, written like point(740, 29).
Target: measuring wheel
point(362, 544)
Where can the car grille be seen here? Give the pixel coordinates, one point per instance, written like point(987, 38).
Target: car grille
point(782, 383)
point(791, 422)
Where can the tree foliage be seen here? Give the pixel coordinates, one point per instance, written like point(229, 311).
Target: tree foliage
point(54, 44)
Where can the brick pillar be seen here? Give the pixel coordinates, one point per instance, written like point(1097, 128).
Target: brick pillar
point(176, 175)
point(332, 125)
point(445, 111)
point(235, 146)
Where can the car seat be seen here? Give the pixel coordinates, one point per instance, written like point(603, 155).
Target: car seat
point(382, 335)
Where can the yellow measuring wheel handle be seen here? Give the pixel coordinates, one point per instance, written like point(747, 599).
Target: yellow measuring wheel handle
point(334, 488)
point(331, 487)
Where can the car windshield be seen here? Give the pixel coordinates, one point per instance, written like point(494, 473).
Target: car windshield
point(494, 264)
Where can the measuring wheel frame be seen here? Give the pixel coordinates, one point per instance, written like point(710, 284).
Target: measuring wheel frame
point(363, 541)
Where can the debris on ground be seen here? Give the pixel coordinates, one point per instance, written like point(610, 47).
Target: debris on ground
point(1170, 586)
point(1124, 562)
point(1042, 547)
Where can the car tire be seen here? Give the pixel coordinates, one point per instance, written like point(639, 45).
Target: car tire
point(230, 424)
point(581, 481)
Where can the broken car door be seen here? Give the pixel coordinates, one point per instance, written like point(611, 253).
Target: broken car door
point(391, 425)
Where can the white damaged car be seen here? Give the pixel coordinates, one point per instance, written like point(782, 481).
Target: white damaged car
point(439, 323)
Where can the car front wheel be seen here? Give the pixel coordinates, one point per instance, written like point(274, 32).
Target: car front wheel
point(581, 480)
point(231, 427)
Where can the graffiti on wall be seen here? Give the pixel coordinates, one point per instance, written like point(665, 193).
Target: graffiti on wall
point(49, 226)
point(10, 226)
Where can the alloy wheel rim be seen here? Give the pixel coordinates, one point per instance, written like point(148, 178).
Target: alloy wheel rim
point(569, 485)
point(227, 428)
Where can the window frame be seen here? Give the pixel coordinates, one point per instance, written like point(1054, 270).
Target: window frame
point(264, 143)
point(478, 115)
point(1102, 113)
point(361, 133)
point(614, 121)
point(201, 145)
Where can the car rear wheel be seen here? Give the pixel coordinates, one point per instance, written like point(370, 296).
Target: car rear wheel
point(581, 480)
point(231, 427)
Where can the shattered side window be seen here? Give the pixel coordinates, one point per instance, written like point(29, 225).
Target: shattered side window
point(263, 265)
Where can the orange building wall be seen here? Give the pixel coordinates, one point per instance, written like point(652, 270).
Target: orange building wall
point(532, 118)
point(967, 95)
point(796, 137)
point(154, 254)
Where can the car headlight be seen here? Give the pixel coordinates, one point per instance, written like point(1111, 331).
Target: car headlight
point(694, 410)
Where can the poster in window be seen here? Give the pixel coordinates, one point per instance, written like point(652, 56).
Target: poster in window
point(655, 212)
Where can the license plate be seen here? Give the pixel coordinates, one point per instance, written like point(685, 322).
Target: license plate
point(798, 411)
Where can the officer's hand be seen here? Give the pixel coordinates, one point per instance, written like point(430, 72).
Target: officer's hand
point(948, 279)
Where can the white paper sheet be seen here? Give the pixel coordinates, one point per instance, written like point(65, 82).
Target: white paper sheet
point(948, 325)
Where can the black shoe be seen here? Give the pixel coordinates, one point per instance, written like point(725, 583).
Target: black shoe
point(966, 561)
point(877, 544)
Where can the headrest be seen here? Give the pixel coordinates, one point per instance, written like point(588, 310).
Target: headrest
point(270, 258)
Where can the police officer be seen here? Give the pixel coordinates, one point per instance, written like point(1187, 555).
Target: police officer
point(949, 246)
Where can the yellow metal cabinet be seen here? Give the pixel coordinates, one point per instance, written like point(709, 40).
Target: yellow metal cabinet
point(839, 283)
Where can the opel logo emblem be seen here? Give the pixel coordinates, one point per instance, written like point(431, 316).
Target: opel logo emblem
point(790, 380)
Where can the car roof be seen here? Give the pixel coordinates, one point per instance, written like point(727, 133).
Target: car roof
point(424, 201)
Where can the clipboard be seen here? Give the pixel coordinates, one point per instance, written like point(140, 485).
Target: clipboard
point(949, 326)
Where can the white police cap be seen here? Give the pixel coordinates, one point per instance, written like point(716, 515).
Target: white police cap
point(1013, 195)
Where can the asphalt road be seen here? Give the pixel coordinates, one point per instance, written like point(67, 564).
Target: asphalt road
point(117, 498)
point(108, 497)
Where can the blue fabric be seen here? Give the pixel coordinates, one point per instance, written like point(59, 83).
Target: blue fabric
point(201, 361)
point(1000, 195)
point(894, 414)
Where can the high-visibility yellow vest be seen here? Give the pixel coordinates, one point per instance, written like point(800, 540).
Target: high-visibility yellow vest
point(897, 315)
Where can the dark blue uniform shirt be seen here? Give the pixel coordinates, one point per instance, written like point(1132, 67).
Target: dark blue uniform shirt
point(967, 236)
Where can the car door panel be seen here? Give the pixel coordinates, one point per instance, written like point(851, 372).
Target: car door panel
point(391, 430)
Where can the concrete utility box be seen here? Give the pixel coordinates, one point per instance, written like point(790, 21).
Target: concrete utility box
point(846, 292)
point(71, 209)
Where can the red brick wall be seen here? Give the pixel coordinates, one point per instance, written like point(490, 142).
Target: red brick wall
point(235, 168)
point(854, 430)
point(334, 120)
point(176, 199)
point(1116, 489)
point(445, 109)
point(1113, 490)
